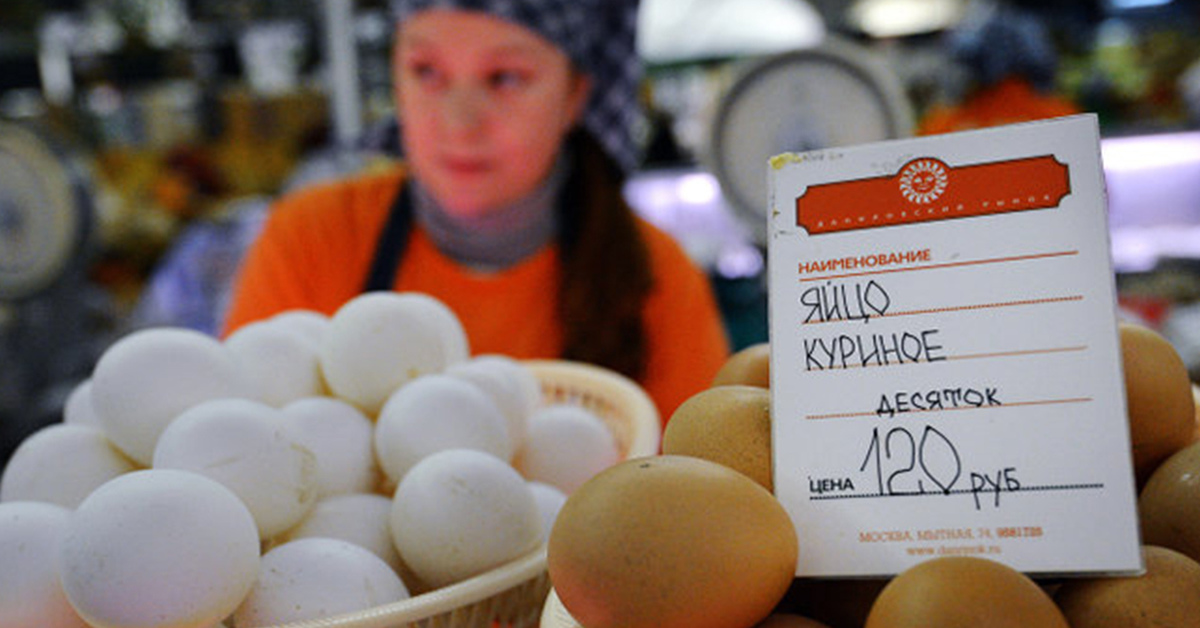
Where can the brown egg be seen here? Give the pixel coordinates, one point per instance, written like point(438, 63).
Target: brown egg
point(786, 620)
point(959, 591)
point(750, 366)
point(671, 542)
point(1166, 596)
point(730, 425)
point(1162, 411)
point(1169, 504)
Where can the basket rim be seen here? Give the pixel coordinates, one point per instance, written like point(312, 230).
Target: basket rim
point(555, 615)
point(646, 437)
point(444, 599)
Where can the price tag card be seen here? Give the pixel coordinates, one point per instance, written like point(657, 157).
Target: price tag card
point(945, 363)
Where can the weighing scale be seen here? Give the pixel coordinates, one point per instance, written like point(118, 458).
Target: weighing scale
point(836, 93)
point(46, 222)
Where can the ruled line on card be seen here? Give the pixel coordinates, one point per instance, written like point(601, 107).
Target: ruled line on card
point(957, 308)
point(1016, 353)
point(968, 356)
point(986, 306)
point(943, 265)
point(1007, 404)
point(1079, 486)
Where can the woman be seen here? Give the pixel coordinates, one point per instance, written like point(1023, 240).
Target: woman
point(1011, 62)
point(518, 122)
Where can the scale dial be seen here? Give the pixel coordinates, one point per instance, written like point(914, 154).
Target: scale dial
point(834, 94)
point(43, 213)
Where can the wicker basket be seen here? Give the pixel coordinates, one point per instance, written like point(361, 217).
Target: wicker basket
point(555, 615)
point(623, 405)
point(514, 595)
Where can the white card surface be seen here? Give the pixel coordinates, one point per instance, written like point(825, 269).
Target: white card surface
point(945, 364)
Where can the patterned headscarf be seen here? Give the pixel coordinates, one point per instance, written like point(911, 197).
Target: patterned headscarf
point(1000, 40)
point(598, 36)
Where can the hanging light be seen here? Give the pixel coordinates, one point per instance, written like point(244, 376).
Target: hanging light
point(899, 18)
point(681, 30)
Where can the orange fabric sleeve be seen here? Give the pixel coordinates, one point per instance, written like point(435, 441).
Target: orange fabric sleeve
point(688, 340)
point(313, 251)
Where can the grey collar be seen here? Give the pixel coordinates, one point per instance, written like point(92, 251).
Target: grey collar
point(500, 238)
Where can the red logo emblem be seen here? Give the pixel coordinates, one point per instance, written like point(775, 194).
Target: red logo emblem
point(923, 181)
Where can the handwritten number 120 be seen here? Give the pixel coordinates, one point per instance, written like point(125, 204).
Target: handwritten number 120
point(935, 455)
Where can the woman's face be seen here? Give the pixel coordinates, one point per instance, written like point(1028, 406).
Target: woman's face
point(484, 104)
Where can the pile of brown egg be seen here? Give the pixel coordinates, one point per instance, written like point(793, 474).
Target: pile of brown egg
point(695, 538)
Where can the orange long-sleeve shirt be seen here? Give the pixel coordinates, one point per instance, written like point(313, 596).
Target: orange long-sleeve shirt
point(317, 245)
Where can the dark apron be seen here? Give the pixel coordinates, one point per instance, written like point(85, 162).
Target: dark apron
point(389, 248)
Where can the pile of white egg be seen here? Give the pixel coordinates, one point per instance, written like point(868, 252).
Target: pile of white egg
point(304, 467)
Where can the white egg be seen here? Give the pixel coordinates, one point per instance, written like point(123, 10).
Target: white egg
point(566, 445)
point(526, 380)
point(61, 464)
point(281, 365)
point(454, 337)
point(316, 578)
point(434, 413)
point(340, 436)
point(147, 378)
point(550, 500)
point(309, 323)
point(375, 343)
point(31, 593)
point(506, 381)
point(78, 409)
point(158, 548)
point(242, 445)
point(459, 513)
point(359, 518)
